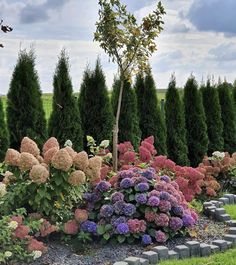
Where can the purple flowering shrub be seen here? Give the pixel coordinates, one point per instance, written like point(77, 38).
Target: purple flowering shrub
point(141, 205)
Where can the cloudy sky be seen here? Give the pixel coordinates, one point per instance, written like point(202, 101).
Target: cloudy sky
point(199, 38)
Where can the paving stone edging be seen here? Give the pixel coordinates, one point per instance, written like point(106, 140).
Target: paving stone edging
point(213, 209)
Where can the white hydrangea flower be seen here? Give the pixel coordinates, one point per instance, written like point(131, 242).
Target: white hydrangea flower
point(219, 155)
point(68, 143)
point(105, 143)
point(8, 254)
point(13, 225)
point(3, 190)
point(37, 254)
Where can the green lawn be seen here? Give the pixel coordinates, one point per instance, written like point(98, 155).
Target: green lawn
point(231, 210)
point(227, 258)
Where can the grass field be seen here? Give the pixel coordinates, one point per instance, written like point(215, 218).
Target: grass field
point(47, 101)
point(231, 210)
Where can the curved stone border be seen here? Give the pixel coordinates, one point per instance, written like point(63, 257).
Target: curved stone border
point(212, 209)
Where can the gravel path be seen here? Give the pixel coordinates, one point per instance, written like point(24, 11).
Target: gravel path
point(205, 231)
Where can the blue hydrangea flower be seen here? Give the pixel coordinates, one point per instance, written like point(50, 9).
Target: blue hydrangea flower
point(153, 201)
point(126, 183)
point(117, 196)
point(106, 211)
point(115, 221)
point(146, 239)
point(178, 210)
point(165, 178)
point(149, 173)
point(103, 186)
point(188, 220)
point(88, 226)
point(122, 229)
point(141, 198)
point(142, 187)
point(119, 207)
point(164, 195)
point(129, 209)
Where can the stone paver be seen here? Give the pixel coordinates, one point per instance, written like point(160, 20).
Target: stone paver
point(205, 249)
point(151, 256)
point(222, 244)
point(183, 251)
point(162, 252)
point(194, 247)
point(173, 254)
point(133, 261)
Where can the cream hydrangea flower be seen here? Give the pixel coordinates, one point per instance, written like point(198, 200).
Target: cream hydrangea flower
point(218, 154)
point(3, 190)
point(13, 225)
point(37, 254)
point(7, 254)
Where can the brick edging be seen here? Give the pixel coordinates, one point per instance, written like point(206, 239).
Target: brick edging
point(212, 209)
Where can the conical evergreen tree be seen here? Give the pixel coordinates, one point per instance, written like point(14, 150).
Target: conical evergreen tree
point(128, 123)
point(195, 119)
point(4, 137)
point(175, 124)
point(65, 122)
point(95, 107)
point(234, 93)
point(25, 114)
point(228, 117)
point(212, 109)
point(151, 121)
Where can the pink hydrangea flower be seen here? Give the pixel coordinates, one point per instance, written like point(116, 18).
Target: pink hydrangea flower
point(12, 157)
point(81, 215)
point(21, 231)
point(27, 161)
point(49, 154)
point(81, 160)
point(71, 227)
point(62, 160)
point(50, 143)
point(39, 174)
point(29, 146)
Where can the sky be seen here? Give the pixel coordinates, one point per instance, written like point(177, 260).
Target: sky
point(199, 38)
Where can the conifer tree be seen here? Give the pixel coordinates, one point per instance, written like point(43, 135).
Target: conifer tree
point(128, 124)
point(228, 117)
point(175, 126)
point(151, 121)
point(65, 122)
point(25, 114)
point(95, 106)
point(212, 109)
point(195, 119)
point(4, 137)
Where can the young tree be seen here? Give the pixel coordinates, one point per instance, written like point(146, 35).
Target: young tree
point(228, 117)
point(151, 120)
point(175, 124)
point(195, 120)
point(127, 43)
point(4, 137)
point(212, 109)
point(5, 29)
point(95, 107)
point(128, 123)
point(65, 122)
point(25, 114)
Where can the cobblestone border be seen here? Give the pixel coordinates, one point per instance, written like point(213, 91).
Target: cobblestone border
point(213, 209)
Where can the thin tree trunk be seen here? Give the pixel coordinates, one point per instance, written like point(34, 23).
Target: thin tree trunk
point(116, 127)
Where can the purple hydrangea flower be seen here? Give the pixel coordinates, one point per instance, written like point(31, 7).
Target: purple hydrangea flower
point(106, 211)
point(115, 221)
point(142, 187)
point(175, 223)
point(178, 210)
point(119, 207)
point(160, 236)
point(164, 206)
point(88, 226)
point(165, 178)
point(126, 183)
point(146, 239)
point(129, 209)
point(91, 197)
point(141, 198)
point(162, 220)
point(117, 196)
point(149, 173)
point(188, 220)
point(126, 174)
point(153, 201)
point(164, 195)
point(122, 229)
point(103, 186)
point(138, 180)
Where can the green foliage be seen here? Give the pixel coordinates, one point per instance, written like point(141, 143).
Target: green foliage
point(65, 122)
point(25, 114)
point(212, 109)
point(4, 137)
point(151, 121)
point(228, 117)
point(231, 210)
point(175, 126)
point(97, 149)
point(94, 104)
point(195, 119)
point(128, 123)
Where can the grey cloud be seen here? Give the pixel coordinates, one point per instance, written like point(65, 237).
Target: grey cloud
point(224, 52)
point(214, 15)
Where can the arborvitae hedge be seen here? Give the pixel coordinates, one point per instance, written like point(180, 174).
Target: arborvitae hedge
point(195, 119)
point(175, 124)
point(25, 114)
point(212, 109)
point(65, 122)
point(228, 117)
point(95, 107)
point(151, 121)
point(4, 137)
point(128, 123)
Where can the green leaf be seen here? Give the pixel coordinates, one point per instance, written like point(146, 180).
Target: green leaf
point(108, 227)
point(101, 229)
point(121, 239)
point(106, 236)
point(131, 197)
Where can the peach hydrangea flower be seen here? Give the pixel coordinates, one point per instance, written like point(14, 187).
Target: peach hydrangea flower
point(71, 227)
point(35, 245)
point(70, 151)
point(40, 159)
point(50, 143)
point(81, 215)
point(81, 160)
point(49, 154)
point(94, 167)
point(39, 174)
point(21, 231)
point(77, 178)
point(62, 160)
point(8, 177)
point(27, 161)
point(12, 157)
point(29, 146)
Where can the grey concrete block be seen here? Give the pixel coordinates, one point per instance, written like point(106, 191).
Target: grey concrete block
point(209, 209)
point(173, 254)
point(230, 197)
point(194, 247)
point(222, 244)
point(228, 222)
point(144, 261)
point(234, 198)
point(120, 263)
point(215, 249)
point(205, 249)
point(220, 211)
point(223, 217)
point(207, 204)
point(162, 252)
point(183, 251)
point(221, 204)
point(215, 203)
point(229, 244)
point(151, 256)
point(224, 200)
point(232, 230)
point(233, 223)
point(133, 261)
point(229, 237)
